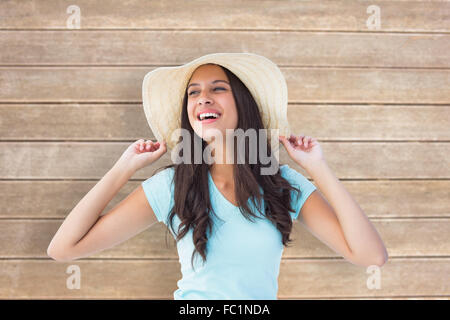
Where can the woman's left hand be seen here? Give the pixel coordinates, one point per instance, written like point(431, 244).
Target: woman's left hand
point(304, 150)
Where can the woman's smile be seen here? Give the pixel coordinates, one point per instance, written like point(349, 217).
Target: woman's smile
point(211, 120)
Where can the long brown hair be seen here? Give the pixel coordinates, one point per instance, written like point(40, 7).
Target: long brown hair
point(191, 186)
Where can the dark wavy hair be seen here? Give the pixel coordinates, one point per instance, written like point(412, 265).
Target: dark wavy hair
point(191, 189)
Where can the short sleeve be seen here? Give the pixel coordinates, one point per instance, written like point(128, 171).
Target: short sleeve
point(159, 192)
point(296, 179)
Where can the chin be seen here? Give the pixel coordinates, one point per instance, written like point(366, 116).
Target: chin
point(207, 137)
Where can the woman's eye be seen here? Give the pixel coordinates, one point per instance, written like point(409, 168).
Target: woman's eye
point(190, 93)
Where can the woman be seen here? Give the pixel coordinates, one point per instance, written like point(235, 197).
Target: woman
point(230, 221)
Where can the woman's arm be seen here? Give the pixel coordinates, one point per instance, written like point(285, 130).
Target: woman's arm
point(85, 232)
point(340, 222)
point(336, 218)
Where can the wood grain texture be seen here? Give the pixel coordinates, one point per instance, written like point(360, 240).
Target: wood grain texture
point(281, 15)
point(376, 99)
point(429, 237)
point(113, 122)
point(305, 85)
point(349, 160)
point(330, 49)
point(31, 199)
point(156, 279)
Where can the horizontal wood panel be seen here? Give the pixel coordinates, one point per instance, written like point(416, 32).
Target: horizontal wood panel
point(156, 279)
point(425, 237)
point(378, 199)
point(349, 160)
point(327, 278)
point(128, 122)
point(74, 122)
point(175, 47)
point(305, 85)
point(234, 14)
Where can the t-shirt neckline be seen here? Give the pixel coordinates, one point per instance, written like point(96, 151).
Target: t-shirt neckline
point(220, 193)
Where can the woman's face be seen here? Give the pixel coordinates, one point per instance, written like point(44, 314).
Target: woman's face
point(209, 90)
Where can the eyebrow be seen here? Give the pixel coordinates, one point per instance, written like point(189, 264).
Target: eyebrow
point(215, 81)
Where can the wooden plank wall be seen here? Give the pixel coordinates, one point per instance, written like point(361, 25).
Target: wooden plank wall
point(376, 97)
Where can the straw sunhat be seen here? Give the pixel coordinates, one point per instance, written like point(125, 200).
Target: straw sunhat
point(163, 90)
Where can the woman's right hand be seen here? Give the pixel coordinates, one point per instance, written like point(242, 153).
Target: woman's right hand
point(141, 153)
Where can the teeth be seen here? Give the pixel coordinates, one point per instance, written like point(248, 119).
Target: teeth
point(203, 115)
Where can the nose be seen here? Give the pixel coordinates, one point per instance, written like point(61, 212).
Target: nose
point(204, 99)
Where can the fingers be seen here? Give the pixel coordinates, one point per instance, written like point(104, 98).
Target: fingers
point(303, 141)
point(146, 145)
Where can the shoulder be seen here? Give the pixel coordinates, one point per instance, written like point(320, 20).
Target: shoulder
point(288, 172)
point(165, 175)
point(158, 190)
point(161, 180)
point(285, 168)
point(295, 178)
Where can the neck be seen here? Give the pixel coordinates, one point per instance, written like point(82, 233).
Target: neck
point(221, 170)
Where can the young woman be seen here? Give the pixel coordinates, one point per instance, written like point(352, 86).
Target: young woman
point(230, 221)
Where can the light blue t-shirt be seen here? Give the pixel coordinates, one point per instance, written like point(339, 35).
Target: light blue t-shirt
point(243, 257)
